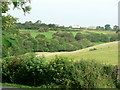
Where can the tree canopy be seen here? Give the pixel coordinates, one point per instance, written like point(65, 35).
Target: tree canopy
point(20, 4)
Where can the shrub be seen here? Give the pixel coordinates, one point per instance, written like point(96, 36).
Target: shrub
point(79, 36)
point(60, 72)
point(67, 36)
point(26, 69)
point(35, 71)
point(89, 74)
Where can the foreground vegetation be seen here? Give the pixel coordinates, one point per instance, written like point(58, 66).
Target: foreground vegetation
point(60, 72)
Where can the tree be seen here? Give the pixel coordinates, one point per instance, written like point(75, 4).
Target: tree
point(99, 28)
point(79, 36)
point(9, 20)
point(38, 22)
point(51, 25)
point(67, 36)
point(70, 26)
point(21, 4)
point(107, 27)
point(10, 37)
point(116, 28)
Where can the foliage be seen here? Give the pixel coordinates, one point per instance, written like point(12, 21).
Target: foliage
point(17, 4)
point(67, 36)
point(10, 34)
point(58, 72)
point(25, 69)
point(79, 36)
point(45, 29)
point(40, 36)
point(61, 41)
point(7, 22)
point(89, 74)
point(107, 27)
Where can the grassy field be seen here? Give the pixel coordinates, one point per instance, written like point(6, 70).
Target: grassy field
point(49, 34)
point(104, 32)
point(34, 33)
point(106, 53)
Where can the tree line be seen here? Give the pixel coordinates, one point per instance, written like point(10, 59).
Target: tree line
point(38, 25)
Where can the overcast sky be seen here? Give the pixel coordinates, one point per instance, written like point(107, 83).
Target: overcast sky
point(71, 12)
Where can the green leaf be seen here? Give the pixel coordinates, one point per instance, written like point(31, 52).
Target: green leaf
point(6, 43)
point(15, 3)
point(13, 42)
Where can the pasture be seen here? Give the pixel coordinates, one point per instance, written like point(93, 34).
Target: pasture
point(34, 33)
point(104, 53)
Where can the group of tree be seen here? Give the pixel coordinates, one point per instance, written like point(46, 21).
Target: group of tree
point(108, 27)
point(38, 25)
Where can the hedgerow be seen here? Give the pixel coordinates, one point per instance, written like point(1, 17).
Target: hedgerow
point(58, 72)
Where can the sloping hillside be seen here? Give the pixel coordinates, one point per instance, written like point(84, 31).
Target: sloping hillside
point(104, 53)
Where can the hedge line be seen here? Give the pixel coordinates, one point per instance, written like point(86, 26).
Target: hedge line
point(60, 72)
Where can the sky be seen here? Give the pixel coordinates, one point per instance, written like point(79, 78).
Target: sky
point(71, 12)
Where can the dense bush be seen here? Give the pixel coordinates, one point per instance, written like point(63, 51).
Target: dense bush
point(58, 72)
point(67, 36)
point(93, 37)
point(79, 36)
point(89, 74)
point(96, 37)
point(26, 69)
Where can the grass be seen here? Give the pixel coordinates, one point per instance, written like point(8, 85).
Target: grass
point(34, 33)
point(15, 85)
point(97, 43)
point(104, 32)
point(74, 33)
point(106, 54)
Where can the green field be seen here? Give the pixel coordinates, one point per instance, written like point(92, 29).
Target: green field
point(49, 34)
point(106, 53)
point(34, 33)
point(104, 32)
